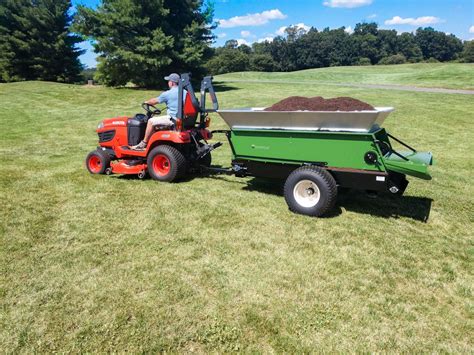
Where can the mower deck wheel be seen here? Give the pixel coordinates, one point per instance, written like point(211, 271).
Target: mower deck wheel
point(310, 190)
point(97, 162)
point(166, 163)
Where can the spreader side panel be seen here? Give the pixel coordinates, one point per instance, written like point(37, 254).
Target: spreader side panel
point(331, 149)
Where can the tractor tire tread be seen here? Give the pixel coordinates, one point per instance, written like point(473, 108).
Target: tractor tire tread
point(177, 160)
point(329, 190)
point(105, 158)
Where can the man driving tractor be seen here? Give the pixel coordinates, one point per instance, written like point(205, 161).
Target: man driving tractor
point(170, 98)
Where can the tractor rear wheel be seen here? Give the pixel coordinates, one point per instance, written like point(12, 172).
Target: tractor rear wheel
point(97, 162)
point(166, 163)
point(310, 190)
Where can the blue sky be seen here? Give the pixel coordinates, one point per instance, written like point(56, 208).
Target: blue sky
point(250, 21)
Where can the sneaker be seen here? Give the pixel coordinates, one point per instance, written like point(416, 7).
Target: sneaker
point(139, 146)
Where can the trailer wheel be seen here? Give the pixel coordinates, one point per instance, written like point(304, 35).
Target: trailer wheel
point(97, 162)
point(310, 190)
point(166, 163)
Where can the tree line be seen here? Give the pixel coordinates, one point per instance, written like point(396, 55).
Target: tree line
point(367, 45)
point(139, 41)
point(136, 41)
point(36, 42)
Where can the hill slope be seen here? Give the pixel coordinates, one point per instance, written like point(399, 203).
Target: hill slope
point(442, 75)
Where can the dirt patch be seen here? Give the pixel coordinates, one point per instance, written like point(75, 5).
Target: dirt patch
point(318, 103)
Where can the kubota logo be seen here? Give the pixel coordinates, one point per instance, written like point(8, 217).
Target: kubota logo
point(120, 123)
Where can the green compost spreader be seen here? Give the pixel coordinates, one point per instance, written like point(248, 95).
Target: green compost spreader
point(316, 152)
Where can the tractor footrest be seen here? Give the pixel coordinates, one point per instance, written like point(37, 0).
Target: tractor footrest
point(127, 151)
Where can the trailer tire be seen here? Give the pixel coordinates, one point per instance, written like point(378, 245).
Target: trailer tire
point(311, 191)
point(166, 163)
point(97, 162)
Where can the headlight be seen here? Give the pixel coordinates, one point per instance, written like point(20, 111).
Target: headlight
point(100, 125)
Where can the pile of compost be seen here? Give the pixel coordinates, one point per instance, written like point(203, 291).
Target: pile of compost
point(318, 103)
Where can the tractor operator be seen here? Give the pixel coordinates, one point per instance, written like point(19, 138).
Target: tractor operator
point(170, 98)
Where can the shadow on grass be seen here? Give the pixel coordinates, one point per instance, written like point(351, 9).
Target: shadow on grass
point(386, 205)
point(383, 205)
point(221, 87)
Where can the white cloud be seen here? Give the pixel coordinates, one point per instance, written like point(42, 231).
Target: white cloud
point(281, 30)
point(268, 39)
point(372, 16)
point(347, 3)
point(245, 34)
point(241, 41)
point(222, 35)
point(349, 30)
point(471, 29)
point(256, 19)
point(419, 21)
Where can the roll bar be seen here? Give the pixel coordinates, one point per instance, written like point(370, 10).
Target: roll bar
point(206, 86)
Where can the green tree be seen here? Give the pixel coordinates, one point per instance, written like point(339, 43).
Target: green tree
point(387, 43)
point(468, 52)
point(393, 59)
point(231, 44)
point(367, 42)
point(228, 59)
point(283, 54)
point(139, 41)
point(438, 45)
point(409, 48)
point(333, 47)
point(262, 62)
point(35, 41)
point(294, 32)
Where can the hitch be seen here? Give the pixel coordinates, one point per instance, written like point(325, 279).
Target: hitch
point(206, 149)
point(236, 170)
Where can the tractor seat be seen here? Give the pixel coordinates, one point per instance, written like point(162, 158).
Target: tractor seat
point(190, 111)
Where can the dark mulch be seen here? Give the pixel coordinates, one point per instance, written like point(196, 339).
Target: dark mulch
point(318, 103)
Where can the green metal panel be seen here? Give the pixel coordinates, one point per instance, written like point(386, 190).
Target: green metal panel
point(335, 149)
point(417, 164)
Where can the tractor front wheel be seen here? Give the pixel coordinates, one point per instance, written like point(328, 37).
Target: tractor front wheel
point(97, 162)
point(310, 190)
point(166, 163)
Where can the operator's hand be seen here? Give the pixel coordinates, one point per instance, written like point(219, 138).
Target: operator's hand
point(153, 102)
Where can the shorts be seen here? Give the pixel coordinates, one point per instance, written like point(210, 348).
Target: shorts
point(161, 120)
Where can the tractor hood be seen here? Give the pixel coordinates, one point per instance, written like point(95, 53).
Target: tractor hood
point(114, 122)
point(417, 163)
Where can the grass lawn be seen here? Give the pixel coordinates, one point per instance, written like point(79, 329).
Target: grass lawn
point(97, 263)
point(441, 75)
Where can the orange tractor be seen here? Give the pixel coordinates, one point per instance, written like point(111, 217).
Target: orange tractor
point(171, 151)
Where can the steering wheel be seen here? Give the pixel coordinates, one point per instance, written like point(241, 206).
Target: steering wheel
point(150, 110)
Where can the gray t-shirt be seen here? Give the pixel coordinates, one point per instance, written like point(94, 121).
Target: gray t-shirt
point(170, 98)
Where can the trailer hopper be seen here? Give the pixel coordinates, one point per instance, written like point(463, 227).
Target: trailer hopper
point(315, 151)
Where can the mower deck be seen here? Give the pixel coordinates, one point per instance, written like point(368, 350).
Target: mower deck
point(121, 167)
